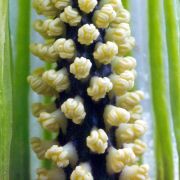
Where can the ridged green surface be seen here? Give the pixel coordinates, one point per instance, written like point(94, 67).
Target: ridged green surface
point(5, 92)
point(173, 44)
point(162, 133)
point(20, 142)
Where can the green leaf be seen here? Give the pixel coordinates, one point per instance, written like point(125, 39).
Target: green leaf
point(173, 44)
point(20, 140)
point(5, 92)
point(162, 133)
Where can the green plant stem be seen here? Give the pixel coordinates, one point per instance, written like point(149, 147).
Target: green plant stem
point(47, 135)
point(173, 44)
point(5, 92)
point(20, 142)
point(163, 143)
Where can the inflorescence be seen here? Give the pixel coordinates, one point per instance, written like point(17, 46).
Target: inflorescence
point(96, 113)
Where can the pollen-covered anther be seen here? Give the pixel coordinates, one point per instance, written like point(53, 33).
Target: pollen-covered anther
point(135, 172)
point(83, 172)
point(49, 27)
point(57, 79)
point(139, 147)
point(40, 146)
point(38, 85)
point(103, 17)
point(45, 8)
point(116, 4)
point(127, 133)
point(52, 174)
point(37, 108)
point(122, 16)
point(117, 159)
point(97, 141)
point(87, 6)
point(81, 68)
point(136, 113)
point(45, 52)
point(70, 16)
point(123, 82)
point(130, 99)
point(61, 4)
point(99, 87)
point(87, 34)
point(104, 53)
point(121, 64)
point(65, 48)
point(62, 155)
point(114, 116)
point(73, 109)
point(53, 121)
point(118, 34)
point(126, 46)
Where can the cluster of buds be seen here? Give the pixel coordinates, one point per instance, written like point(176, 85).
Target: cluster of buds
point(96, 112)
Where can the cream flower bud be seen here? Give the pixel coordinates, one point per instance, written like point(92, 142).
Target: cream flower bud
point(87, 6)
point(121, 64)
point(62, 155)
point(103, 17)
point(118, 159)
point(38, 85)
point(122, 16)
point(123, 82)
point(99, 87)
point(70, 16)
point(114, 116)
point(53, 121)
point(118, 34)
point(97, 141)
point(83, 171)
point(49, 27)
point(126, 46)
point(52, 174)
point(127, 133)
point(74, 110)
point(65, 48)
point(57, 79)
point(61, 4)
point(130, 99)
point(136, 112)
point(45, 8)
point(116, 4)
point(87, 34)
point(37, 108)
point(139, 147)
point(45, 52)
point(81, 67)
point(135, 172)
point(40, 146)
point(104, 53)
